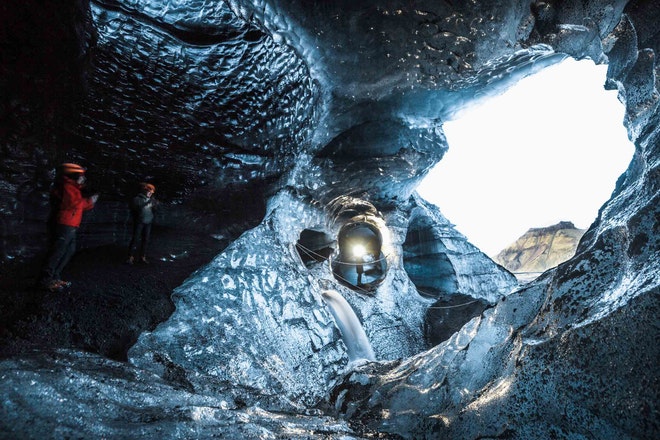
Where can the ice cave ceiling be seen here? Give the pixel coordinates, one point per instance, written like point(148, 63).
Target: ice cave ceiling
point(276, 122)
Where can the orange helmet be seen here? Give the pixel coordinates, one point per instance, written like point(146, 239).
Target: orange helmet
point(147, 187)
point(71, 168)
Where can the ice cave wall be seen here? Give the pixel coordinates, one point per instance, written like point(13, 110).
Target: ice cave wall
point(219, 104)
point(500, 373)
point(569, 356)
point(255, 315)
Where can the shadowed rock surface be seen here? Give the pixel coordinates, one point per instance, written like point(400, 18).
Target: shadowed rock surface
point(254, 119)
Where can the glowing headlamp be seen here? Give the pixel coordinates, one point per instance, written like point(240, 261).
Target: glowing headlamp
point(359, 250)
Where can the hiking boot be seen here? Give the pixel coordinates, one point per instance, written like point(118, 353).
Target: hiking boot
point(54, 286)
point(130, 261)
point(64, 284)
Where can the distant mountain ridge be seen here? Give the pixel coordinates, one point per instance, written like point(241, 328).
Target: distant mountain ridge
point(540, 249)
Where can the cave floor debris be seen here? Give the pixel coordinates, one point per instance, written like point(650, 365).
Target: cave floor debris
point(109, 303)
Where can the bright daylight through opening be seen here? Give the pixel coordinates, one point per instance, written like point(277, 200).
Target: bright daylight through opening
point(550, 149)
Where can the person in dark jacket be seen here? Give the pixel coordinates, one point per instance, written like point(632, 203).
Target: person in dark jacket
point(67, 207)
point(143, 207)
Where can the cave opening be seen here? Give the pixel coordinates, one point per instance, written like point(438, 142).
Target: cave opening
point(548, 150)
point(314, 247)
point(360, 263)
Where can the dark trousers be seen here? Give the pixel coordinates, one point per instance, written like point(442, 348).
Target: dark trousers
point(60, 252)
point(141, 233)
point(360, 270)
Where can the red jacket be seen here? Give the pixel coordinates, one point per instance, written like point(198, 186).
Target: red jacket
point(73, 204)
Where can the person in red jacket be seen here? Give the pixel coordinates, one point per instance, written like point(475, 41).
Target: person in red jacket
point(67, 207)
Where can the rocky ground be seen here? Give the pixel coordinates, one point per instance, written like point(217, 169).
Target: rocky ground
point(109, 304)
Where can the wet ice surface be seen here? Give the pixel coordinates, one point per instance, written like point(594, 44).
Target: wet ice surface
point(68, 394)
point(251, 349)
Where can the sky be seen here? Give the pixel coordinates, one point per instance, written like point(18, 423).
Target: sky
point(549, 149)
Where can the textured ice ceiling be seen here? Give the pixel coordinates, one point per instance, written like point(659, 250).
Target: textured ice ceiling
point(252, 91)
point(295, 103)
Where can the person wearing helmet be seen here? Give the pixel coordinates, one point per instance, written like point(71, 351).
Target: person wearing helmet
point(67, 207)
point(143, 207)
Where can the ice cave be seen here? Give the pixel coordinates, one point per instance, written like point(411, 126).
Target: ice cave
point(298, 286)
